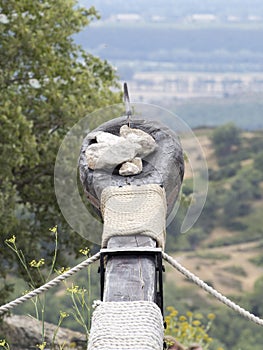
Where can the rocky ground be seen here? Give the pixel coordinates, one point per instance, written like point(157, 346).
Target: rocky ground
point(24, 332)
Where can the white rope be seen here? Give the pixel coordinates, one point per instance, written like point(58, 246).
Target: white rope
point(169, 259)
point(49, 284)
point(212, 291)
point(134, 210)
point(130, 325)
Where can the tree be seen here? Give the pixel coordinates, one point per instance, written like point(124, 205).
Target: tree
point(258, 162)
point(225, 139)
point(47, 83)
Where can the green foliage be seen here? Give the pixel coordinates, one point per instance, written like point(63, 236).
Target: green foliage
point(236, 332)
point(229, 330)
point(213, 256)
point(236, 270)
point(244, 111)
point(258, 163)
point(47, 83)
point(78, 306)
point(234, 201)
point(225, 139)
point(258, 260)
point(244, 236)
point(37, 277)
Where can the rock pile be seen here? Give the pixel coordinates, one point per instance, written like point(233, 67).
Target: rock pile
point(127, 150)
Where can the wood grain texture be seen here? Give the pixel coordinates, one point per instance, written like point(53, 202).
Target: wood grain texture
point(130, 277)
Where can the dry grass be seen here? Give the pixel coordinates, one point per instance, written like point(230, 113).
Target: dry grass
point(213, 270)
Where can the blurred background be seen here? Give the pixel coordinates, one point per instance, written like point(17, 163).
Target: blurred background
point(201, 60)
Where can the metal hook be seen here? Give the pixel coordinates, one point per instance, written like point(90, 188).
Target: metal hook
point(127, 103)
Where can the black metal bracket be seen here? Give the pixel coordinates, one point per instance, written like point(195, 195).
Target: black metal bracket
point(140, 251)
point(127, 103)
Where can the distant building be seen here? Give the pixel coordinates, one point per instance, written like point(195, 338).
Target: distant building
point(202, 17)
point(254, 18)
point(159, 85)
point(126, 17)
point(233, 19)
point(156, 18)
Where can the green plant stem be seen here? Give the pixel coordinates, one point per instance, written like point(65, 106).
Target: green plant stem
point(56, 330)
point(80, 320)
point(22, 260)
point(54, 257)
point(43, 318)
point(89, 294)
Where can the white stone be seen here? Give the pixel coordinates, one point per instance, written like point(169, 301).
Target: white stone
point(126, 149)
point(104, 137)
point(145, 141)
point(106, 156)
point(132, 167)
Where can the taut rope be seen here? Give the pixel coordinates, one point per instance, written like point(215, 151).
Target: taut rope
point(212, 291)
point(50, 284)
point(169, 259)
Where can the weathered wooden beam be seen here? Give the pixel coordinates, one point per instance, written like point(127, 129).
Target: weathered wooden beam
point(130, 277)
point(131, 265)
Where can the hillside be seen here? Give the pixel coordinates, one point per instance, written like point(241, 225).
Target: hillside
point(224, 248)
point(226, 257)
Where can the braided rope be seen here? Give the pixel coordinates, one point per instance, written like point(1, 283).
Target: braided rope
point(49, 284)
point(128, 325)
point(212, 291)
point(134, 210)
point(169, 259)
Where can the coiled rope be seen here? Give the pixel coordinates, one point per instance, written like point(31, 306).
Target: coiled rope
point(246, 314)
point(50, 284)
point(126, 325)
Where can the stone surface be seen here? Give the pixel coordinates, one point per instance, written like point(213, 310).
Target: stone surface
point(106, 137)
point(110, 150)
point(24, 332)
point(146, 141)
point(108, 156)
point(133, 167)
point(164, 166)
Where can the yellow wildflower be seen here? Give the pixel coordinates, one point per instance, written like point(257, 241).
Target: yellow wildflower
point(62, 270)
point(63, 314)
point(84, 251)
point(170, 308)
point(174, 313)
point(73, 289)
point(182, 318)
point(11, 240)
point(42, 346)
point(37, 264)
point(54, 229)
point(211, 316)
point(76, 290)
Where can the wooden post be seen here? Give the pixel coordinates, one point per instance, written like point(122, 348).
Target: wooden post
point(130, 277)
point(131, 266)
